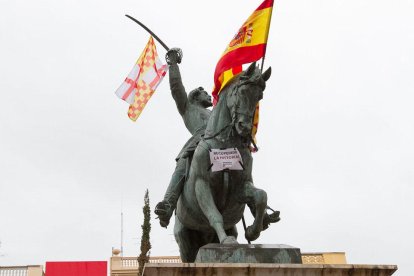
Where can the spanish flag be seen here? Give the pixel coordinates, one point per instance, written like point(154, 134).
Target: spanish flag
point(248, 45)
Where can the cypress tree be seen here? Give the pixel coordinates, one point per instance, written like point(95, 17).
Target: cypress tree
point(145, 238)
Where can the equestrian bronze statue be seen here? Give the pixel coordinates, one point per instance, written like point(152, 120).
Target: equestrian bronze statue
point(211, 202)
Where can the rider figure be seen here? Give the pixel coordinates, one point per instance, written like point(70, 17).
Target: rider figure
point(193, 110)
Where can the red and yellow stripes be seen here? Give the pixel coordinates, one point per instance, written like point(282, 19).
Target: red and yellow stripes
point(248, 45)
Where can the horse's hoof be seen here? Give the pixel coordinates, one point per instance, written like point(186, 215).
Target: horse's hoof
point(272, 218)
point(250, 234)
point(230, 240)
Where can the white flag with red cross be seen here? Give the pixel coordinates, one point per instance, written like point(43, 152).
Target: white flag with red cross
point(142, 81)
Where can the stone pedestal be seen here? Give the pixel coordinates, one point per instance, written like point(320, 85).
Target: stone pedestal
point(249, 253)
point(210, 269)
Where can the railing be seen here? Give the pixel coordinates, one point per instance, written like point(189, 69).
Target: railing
point(313, 259)
point(307, 258)
point(130, 262)
point(13, 271)
point(126, 266)
point(324, 258)
point(165, 259)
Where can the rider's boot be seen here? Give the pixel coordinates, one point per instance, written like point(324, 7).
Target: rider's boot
point(165, 208)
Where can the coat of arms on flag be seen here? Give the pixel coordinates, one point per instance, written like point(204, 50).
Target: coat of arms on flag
point(144, 78)
point(248, 45)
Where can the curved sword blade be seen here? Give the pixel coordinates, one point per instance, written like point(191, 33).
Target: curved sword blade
point(148, 30)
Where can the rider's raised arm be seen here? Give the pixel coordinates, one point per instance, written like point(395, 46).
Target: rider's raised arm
point(176, 85)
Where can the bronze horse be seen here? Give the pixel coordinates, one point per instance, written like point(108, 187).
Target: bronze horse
point(212, 203)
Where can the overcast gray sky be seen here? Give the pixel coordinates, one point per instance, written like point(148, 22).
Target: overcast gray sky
point(336, 130)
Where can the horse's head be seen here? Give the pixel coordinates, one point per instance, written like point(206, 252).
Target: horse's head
point(242, 100)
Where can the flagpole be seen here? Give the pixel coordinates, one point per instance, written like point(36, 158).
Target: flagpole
point(267, 38)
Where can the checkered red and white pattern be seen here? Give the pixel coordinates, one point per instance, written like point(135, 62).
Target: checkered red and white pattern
point(142, 81)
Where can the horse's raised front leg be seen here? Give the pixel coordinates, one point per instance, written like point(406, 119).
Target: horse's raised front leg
point(206, 202)
point(258, 198)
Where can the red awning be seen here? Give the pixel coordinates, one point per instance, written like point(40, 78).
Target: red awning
point(76, 268)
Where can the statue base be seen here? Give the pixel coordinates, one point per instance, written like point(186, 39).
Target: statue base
point(213, 269)
point(249, 253)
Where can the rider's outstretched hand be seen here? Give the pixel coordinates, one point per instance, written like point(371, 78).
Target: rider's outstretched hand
point(174, 56)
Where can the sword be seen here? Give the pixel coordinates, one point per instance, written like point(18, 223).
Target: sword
point(150, 32)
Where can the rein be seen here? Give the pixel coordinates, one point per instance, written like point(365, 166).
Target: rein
point(234, 116)
point(218, 132)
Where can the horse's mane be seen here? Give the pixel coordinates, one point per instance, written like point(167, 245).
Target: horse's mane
point(254, 77)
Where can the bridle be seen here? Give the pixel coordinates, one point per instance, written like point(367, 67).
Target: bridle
point(235, 108)
point(235, 112)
